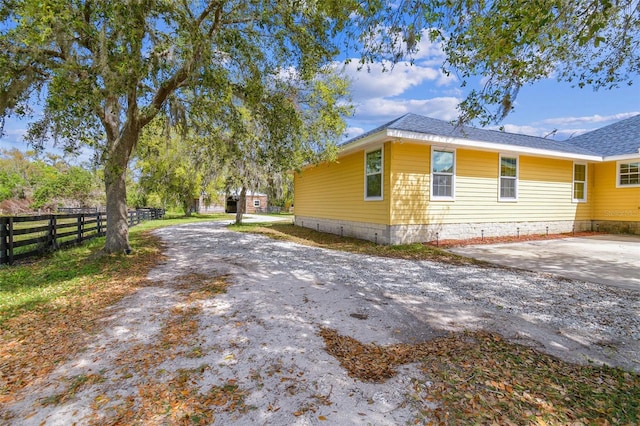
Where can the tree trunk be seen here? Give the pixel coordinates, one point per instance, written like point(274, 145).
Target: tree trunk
point(115, 172)
point(241, 206)
point(186, 206)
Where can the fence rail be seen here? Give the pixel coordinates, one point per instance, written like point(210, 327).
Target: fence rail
point(27, 236)
point(81, 210)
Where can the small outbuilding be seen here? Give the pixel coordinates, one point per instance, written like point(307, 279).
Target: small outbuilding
point(255, 202)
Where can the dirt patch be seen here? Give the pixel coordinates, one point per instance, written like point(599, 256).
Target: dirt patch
point(16, 206)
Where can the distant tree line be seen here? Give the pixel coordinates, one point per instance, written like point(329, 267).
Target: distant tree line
point(170, 174)
point(47, 182)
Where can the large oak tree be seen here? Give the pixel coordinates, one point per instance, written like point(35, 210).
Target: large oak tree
point(102, 70)
point(496, 47)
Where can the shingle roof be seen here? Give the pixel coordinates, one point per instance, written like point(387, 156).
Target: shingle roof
point(622, 137)
point(420, 124)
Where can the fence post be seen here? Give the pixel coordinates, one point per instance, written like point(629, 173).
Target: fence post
point(98, 224)
point(3, 241)
point(80, 225)
point(53, 234)
point(10, 235)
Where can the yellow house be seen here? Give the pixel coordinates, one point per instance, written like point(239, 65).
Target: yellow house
point(418, 179)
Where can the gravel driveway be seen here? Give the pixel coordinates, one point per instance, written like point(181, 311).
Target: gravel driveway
point(262, 333)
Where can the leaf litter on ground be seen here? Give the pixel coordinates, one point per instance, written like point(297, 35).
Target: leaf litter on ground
point(478, 377)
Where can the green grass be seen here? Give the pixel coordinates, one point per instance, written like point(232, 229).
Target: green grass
point(310, 237)
point(38, 281)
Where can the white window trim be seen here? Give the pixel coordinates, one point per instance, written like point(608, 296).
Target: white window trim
point(381, 197)
point(256, 203)
point(453, 176)
point(516, 178)
point(586, 180)
point(634, 160)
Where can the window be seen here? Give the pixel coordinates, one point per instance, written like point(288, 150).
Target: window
point(629, 173)
point(508, 179)
point(442, 174)
point(579, 182)
point(373, 175)
point(256, 203)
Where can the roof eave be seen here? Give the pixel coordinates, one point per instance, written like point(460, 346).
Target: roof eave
point(489, 146)
point(620, 157)
point(356, 145)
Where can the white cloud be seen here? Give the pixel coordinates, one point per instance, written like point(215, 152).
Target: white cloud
point(547, 132)
point(596, 118)
point(564, 134)
point(421, 88)
point(429, 52)
point(381, 110)
point(553, 133)
point(522, 130)
point(374, 82)
point(563, 128)
point(353, 132)
point(446, 80)
point(12, 136)
point(384, 79)
point(287, 74)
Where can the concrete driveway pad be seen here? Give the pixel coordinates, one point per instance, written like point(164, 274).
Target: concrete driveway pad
point(604, 259)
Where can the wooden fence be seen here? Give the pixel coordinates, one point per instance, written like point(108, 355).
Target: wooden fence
point(26, 236)
point(73, 210)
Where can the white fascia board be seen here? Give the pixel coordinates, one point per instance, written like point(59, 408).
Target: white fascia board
point(362, 143)
point(354, 146)
point(488, 146)
point(623, 157)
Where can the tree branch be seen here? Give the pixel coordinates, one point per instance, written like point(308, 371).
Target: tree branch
point(207, 11)
point(165, 89)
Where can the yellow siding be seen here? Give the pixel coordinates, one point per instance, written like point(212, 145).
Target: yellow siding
point(336, 191)
point(544, 189)
point(409, 182)
point(612, 203)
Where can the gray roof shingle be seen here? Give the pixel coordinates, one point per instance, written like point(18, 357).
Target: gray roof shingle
point(620, 138)
point(420, 124)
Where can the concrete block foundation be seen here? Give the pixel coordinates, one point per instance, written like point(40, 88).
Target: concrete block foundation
point(377, 233)
point(407, 234)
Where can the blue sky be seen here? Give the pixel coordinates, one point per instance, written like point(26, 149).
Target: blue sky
point(423, 89)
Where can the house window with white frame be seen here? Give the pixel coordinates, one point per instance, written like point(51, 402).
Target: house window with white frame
point(508, 178)
point(579, 182)
point(373, 175)
point(629, 173)
point(442, 174)
point(256, 203)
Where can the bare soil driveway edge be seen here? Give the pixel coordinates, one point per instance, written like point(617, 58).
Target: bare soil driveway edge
point(613, 260)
